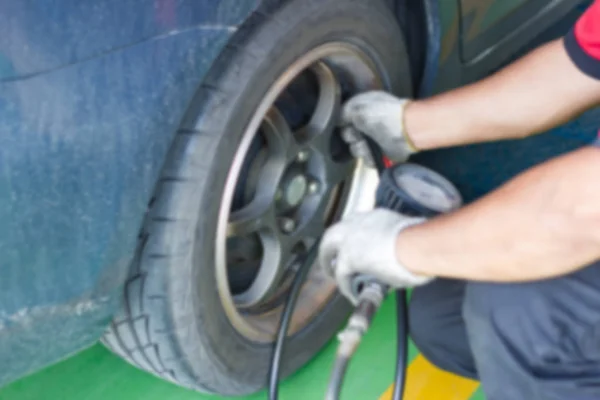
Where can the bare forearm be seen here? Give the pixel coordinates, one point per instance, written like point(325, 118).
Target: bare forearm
point(544, 223)
point(542, 90)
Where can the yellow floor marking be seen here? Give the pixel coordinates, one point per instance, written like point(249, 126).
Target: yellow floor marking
point(426, 382)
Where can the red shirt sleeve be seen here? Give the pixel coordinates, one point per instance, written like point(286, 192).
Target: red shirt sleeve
point(583, 41)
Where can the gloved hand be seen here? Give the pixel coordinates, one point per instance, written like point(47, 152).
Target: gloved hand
point(380, 116)
point(365, 243)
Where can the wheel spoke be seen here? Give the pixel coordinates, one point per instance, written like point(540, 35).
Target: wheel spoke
point(280, 139)
point(336, 172)
point(327, 112)
point(323, 122)
point(276, 247)
point(260, 213)
point(314, 227)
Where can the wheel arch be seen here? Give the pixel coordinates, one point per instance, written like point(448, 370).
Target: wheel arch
point(419, 21)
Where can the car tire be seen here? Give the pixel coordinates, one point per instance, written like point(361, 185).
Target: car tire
point(173, 322)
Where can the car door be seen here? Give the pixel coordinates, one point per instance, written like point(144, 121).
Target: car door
point(487, 23)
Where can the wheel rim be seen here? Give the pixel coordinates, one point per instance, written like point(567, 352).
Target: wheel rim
point(282, 193)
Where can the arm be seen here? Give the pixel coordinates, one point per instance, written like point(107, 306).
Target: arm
point(535, 93)
point(546, 88)
point(544, 223)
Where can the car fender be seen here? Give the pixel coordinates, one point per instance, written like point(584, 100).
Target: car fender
point(83, 135)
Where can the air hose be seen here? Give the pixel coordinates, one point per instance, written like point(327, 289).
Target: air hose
point(286, 317)
point(409, 189)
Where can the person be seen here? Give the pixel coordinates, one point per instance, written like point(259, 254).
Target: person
point(507, 288)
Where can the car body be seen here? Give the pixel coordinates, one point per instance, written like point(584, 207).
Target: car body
point(91, 95)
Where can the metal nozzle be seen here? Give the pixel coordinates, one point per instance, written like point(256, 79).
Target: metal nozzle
point(369, 301)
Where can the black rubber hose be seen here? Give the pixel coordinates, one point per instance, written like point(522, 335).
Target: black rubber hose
point(402, 343)
point(286, 318)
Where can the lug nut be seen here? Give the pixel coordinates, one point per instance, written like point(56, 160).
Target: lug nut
point(302, 156)
point(287, 225)
point(313, 187)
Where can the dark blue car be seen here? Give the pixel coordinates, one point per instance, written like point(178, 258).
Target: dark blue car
point(166, 164)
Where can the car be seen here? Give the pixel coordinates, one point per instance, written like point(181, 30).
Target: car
point(165, 166)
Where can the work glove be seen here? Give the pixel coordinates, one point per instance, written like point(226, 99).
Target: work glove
point(380, 116)
point(365, 244)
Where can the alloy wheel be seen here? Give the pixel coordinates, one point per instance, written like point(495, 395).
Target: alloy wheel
point(290, 178)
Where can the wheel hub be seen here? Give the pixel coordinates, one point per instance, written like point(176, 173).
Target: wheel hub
point(293, 187)
point(295, 190)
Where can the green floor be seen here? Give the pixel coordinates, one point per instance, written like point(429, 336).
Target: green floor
point(96, 374)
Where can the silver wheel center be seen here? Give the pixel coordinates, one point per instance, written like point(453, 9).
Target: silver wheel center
point(295, 190)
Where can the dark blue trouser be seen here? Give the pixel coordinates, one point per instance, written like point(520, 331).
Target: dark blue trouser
point(529, 341)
